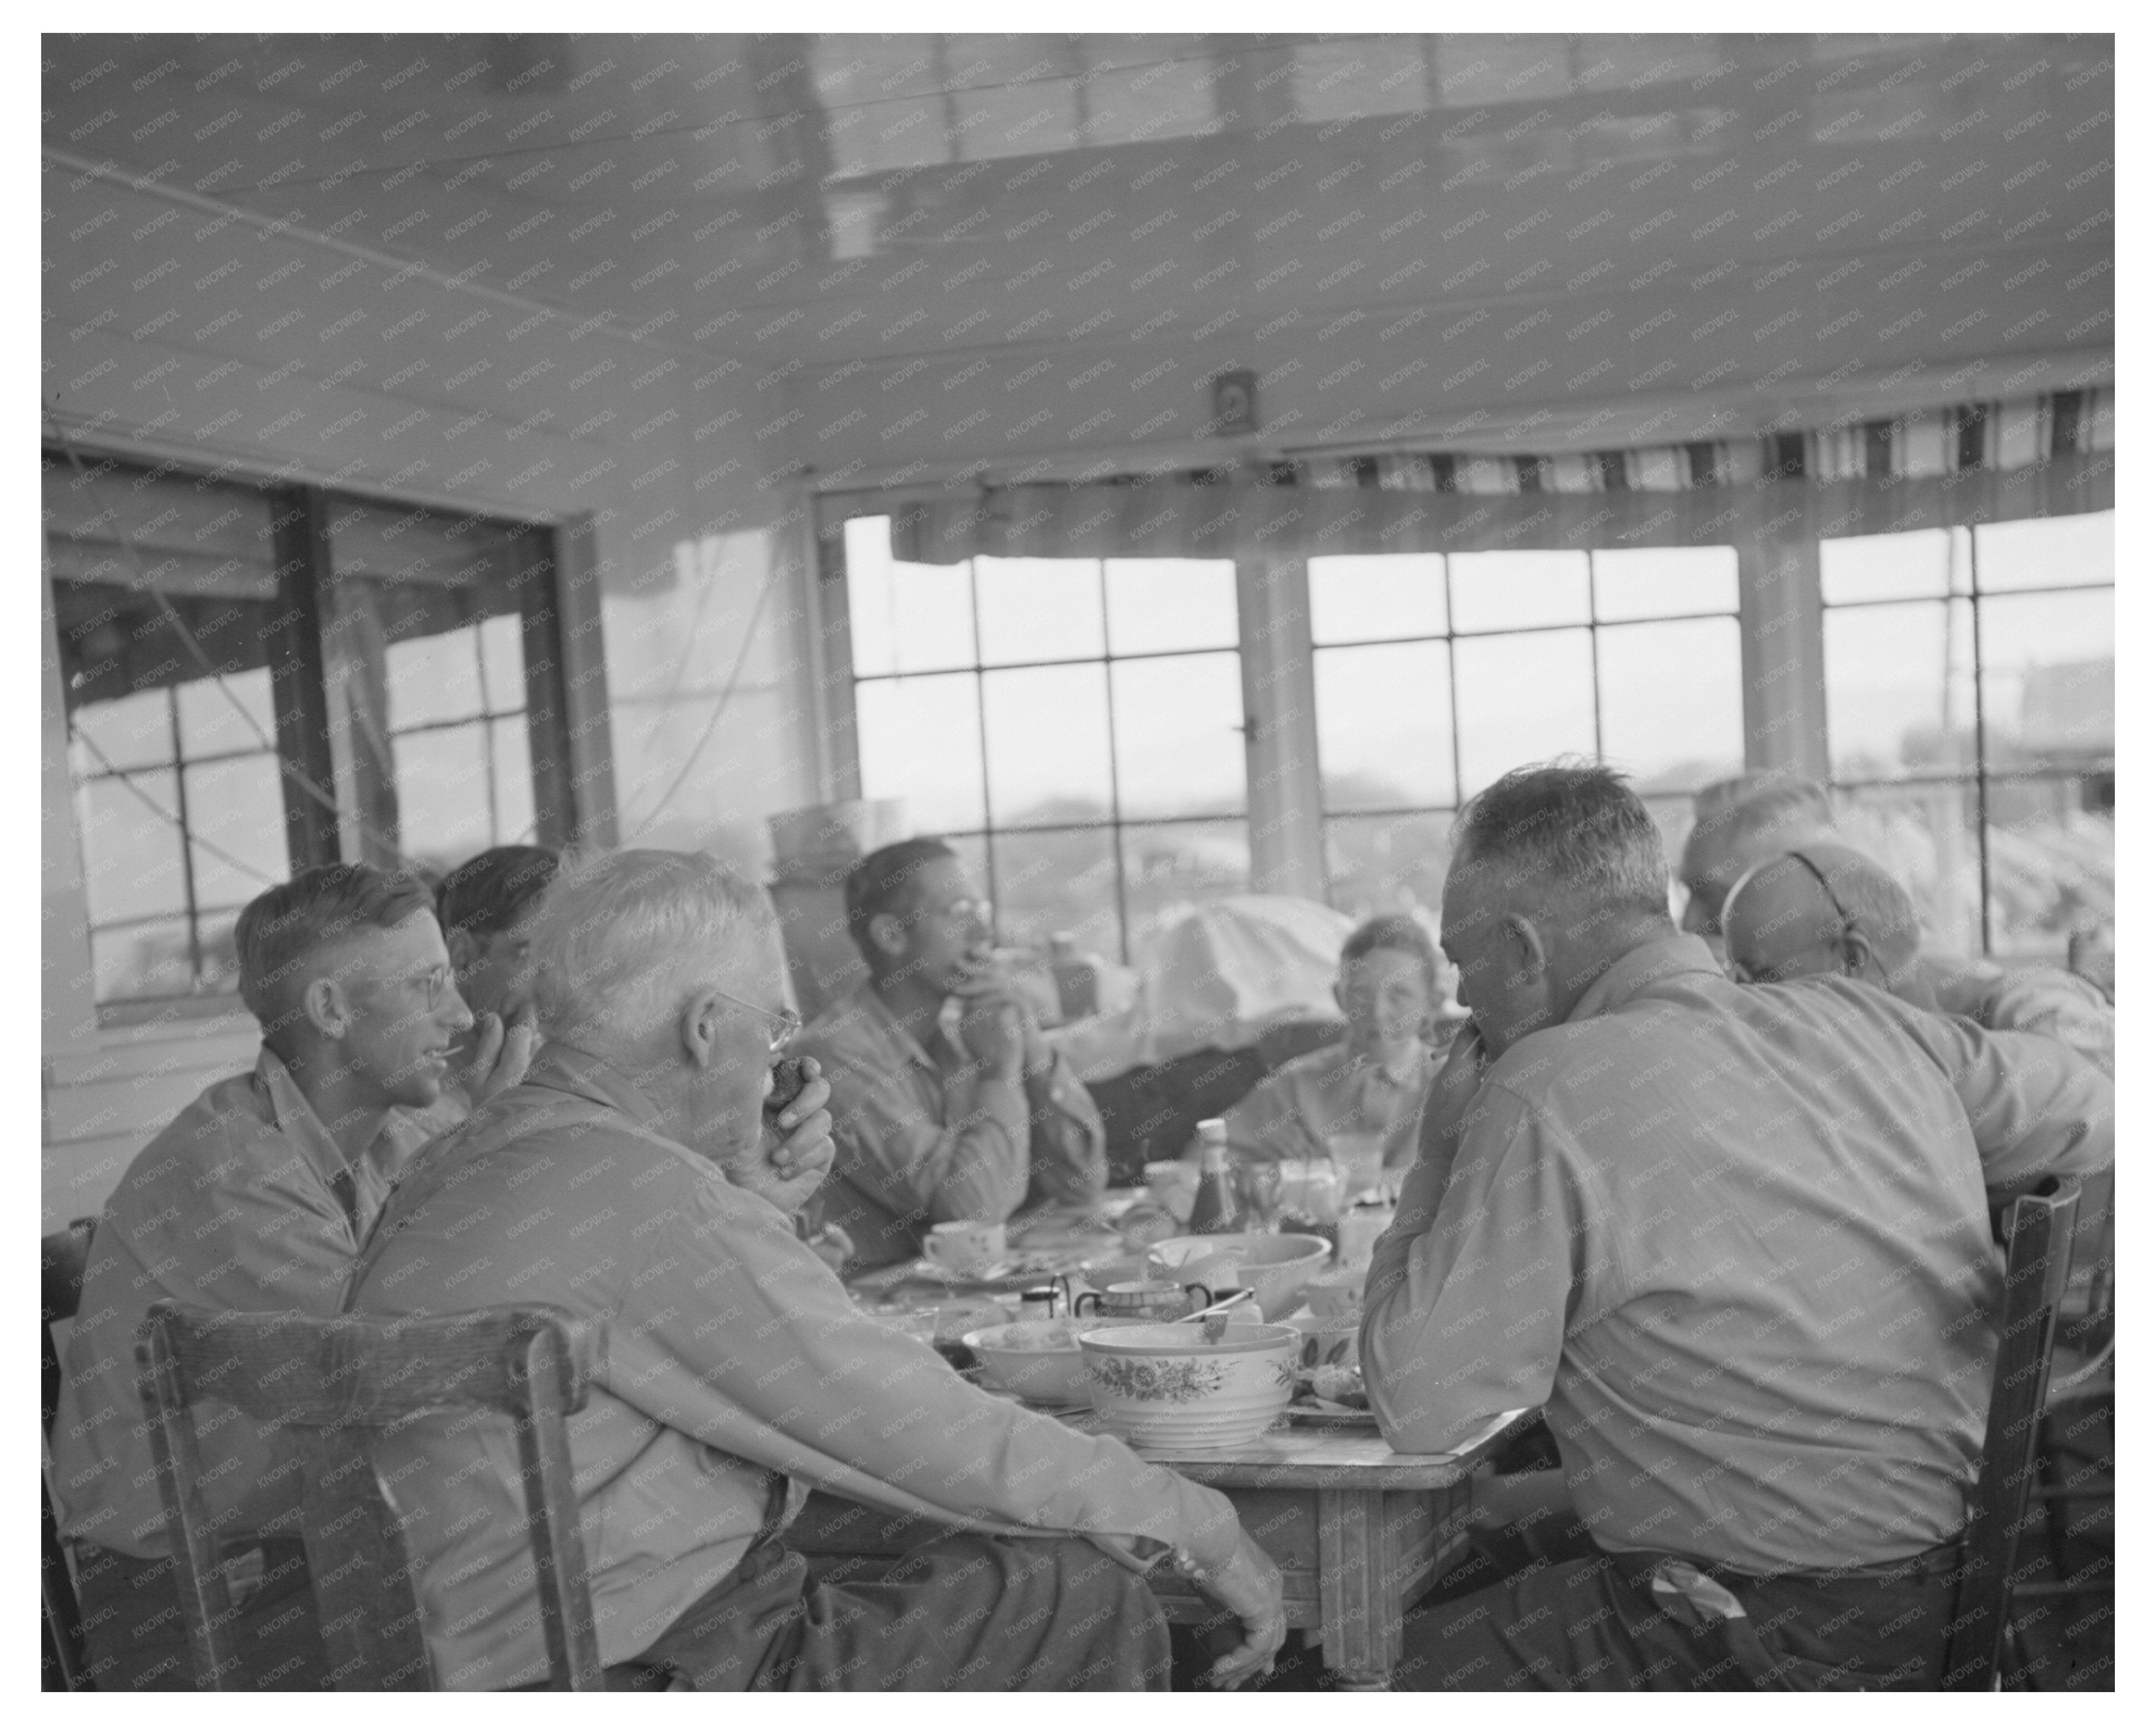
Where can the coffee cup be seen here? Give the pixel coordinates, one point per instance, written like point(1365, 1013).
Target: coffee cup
point(966, 1248)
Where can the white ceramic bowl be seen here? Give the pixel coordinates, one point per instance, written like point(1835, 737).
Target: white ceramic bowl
point(1164, 1387)
point(1276, 1265)
point(1038, 1362)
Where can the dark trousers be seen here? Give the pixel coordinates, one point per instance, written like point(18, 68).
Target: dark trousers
point(137, 1641)
point(1599, 1623)
point(960, 1613)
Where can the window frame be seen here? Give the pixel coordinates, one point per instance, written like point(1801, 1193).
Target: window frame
point(564, 706)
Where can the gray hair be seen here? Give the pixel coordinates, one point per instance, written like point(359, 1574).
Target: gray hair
point(1579, 827)
point(1872, 901)
point(624, 939)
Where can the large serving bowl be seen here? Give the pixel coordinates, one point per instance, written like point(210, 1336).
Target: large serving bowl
point(1274, 1265)
point(1039, 1363)
point(1166, 1387)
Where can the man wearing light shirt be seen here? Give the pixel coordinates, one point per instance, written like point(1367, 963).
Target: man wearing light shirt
point(1735, 1240)
point(938, 1122)
point(625, 1181)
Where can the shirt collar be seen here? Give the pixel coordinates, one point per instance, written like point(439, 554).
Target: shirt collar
point(1673, 955)
point(557, 1066)
point(296, 1118)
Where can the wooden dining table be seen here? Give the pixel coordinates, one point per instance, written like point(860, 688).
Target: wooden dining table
point(1359, 1532)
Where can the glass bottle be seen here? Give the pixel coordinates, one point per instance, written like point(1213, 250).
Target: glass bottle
point(1218, 1210)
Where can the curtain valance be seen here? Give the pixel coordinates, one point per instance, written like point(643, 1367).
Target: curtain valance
point(2044, 454)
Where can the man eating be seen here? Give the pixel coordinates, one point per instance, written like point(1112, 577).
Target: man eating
point(624, 1181)
point(950, 1105)
point(1734, 1241)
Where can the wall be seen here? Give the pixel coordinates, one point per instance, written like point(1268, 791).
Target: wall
point(175, 328)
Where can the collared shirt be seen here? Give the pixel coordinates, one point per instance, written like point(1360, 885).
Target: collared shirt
point(1737, 1239)
point(1333, 1090)
point(916, 1146)
point(728, 1351)
point(242, 1204)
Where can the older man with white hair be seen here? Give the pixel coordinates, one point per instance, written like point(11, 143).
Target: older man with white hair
point(625, 1180)
point(1735, 1239)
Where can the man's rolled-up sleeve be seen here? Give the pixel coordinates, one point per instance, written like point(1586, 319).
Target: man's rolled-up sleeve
point(1465, 1313)
point(2036, 1107)
point(891, 1147)
point(1069, 1142)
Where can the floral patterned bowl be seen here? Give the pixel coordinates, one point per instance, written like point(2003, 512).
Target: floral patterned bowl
point(1165, 1386)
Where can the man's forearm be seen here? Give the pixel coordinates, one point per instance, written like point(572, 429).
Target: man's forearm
point(984, 1178)
point(1068, 1153)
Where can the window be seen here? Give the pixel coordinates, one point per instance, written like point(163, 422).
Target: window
point(1076, 723)
point(259, 678)
point(1435, 675)
point(1968, 680)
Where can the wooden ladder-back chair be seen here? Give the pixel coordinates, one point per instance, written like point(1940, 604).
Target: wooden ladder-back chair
point(2039, 1230)
point(64, 1261)
point(336, 1384)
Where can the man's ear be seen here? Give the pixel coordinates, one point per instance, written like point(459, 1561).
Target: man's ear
point(464, 952)
point(699, 1028)
point(322, 1004)
point(1524, 950)
point(888, 934)
point(1858, 958)
point(1339, 999)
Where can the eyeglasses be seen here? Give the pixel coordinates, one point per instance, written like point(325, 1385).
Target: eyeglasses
point(785, 1022)
point(432, 982)
point(967, 909)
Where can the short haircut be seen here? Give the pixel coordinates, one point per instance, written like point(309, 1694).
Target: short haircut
point(1579, 827)
point(1395, 932)
point(882, 882)
point(484, 896)
point(623, 938)
point(1763, 805)
point(1871, 899)
point(281, 929)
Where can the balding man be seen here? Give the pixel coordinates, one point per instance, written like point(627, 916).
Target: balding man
point(1825, 910)
point(1736, 823)
point(1736, 1240)
point(625, 1181)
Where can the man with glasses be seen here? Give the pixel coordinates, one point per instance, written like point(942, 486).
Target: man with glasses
point(256, 1199)
point(950, 1105)
point(623, 1181)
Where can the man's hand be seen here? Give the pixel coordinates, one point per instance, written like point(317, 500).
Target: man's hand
point(994, 981)
point(1249, 1585)
point(501, 1055)
point(993, 1028)
point(794, 1150)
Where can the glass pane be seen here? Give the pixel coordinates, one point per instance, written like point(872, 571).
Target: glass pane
point(2047, 677)
point(444, 811)
point(216, 721)
point(920, 742)
point(1164, 604)
point(1663, 581)
point(1178, 735)
point(1168, 868)
point(1925, 837)
point(1384, 725)
point(1048, 744)
point(1390, 862)
point(1035, 607)
point(1377, 599)
point(1884, 566)
point(1672, 702)
point(1900, 693)
point(501, 663)
point(2056, 551)
point(237, 806)
point(2053, 866)
point(1050, 882)
point(1518, 589)
point(147, 959)
point(906, 617)
point(1522, 699)
point(220, 953)
point(431, 677)
point(516, 820)
point(135, 731)
point(131, 847)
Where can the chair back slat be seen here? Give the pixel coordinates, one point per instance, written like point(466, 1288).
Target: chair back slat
point(2039, 1237)
point(205, 1601)
point(336, 1386)
point(63, 1260)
